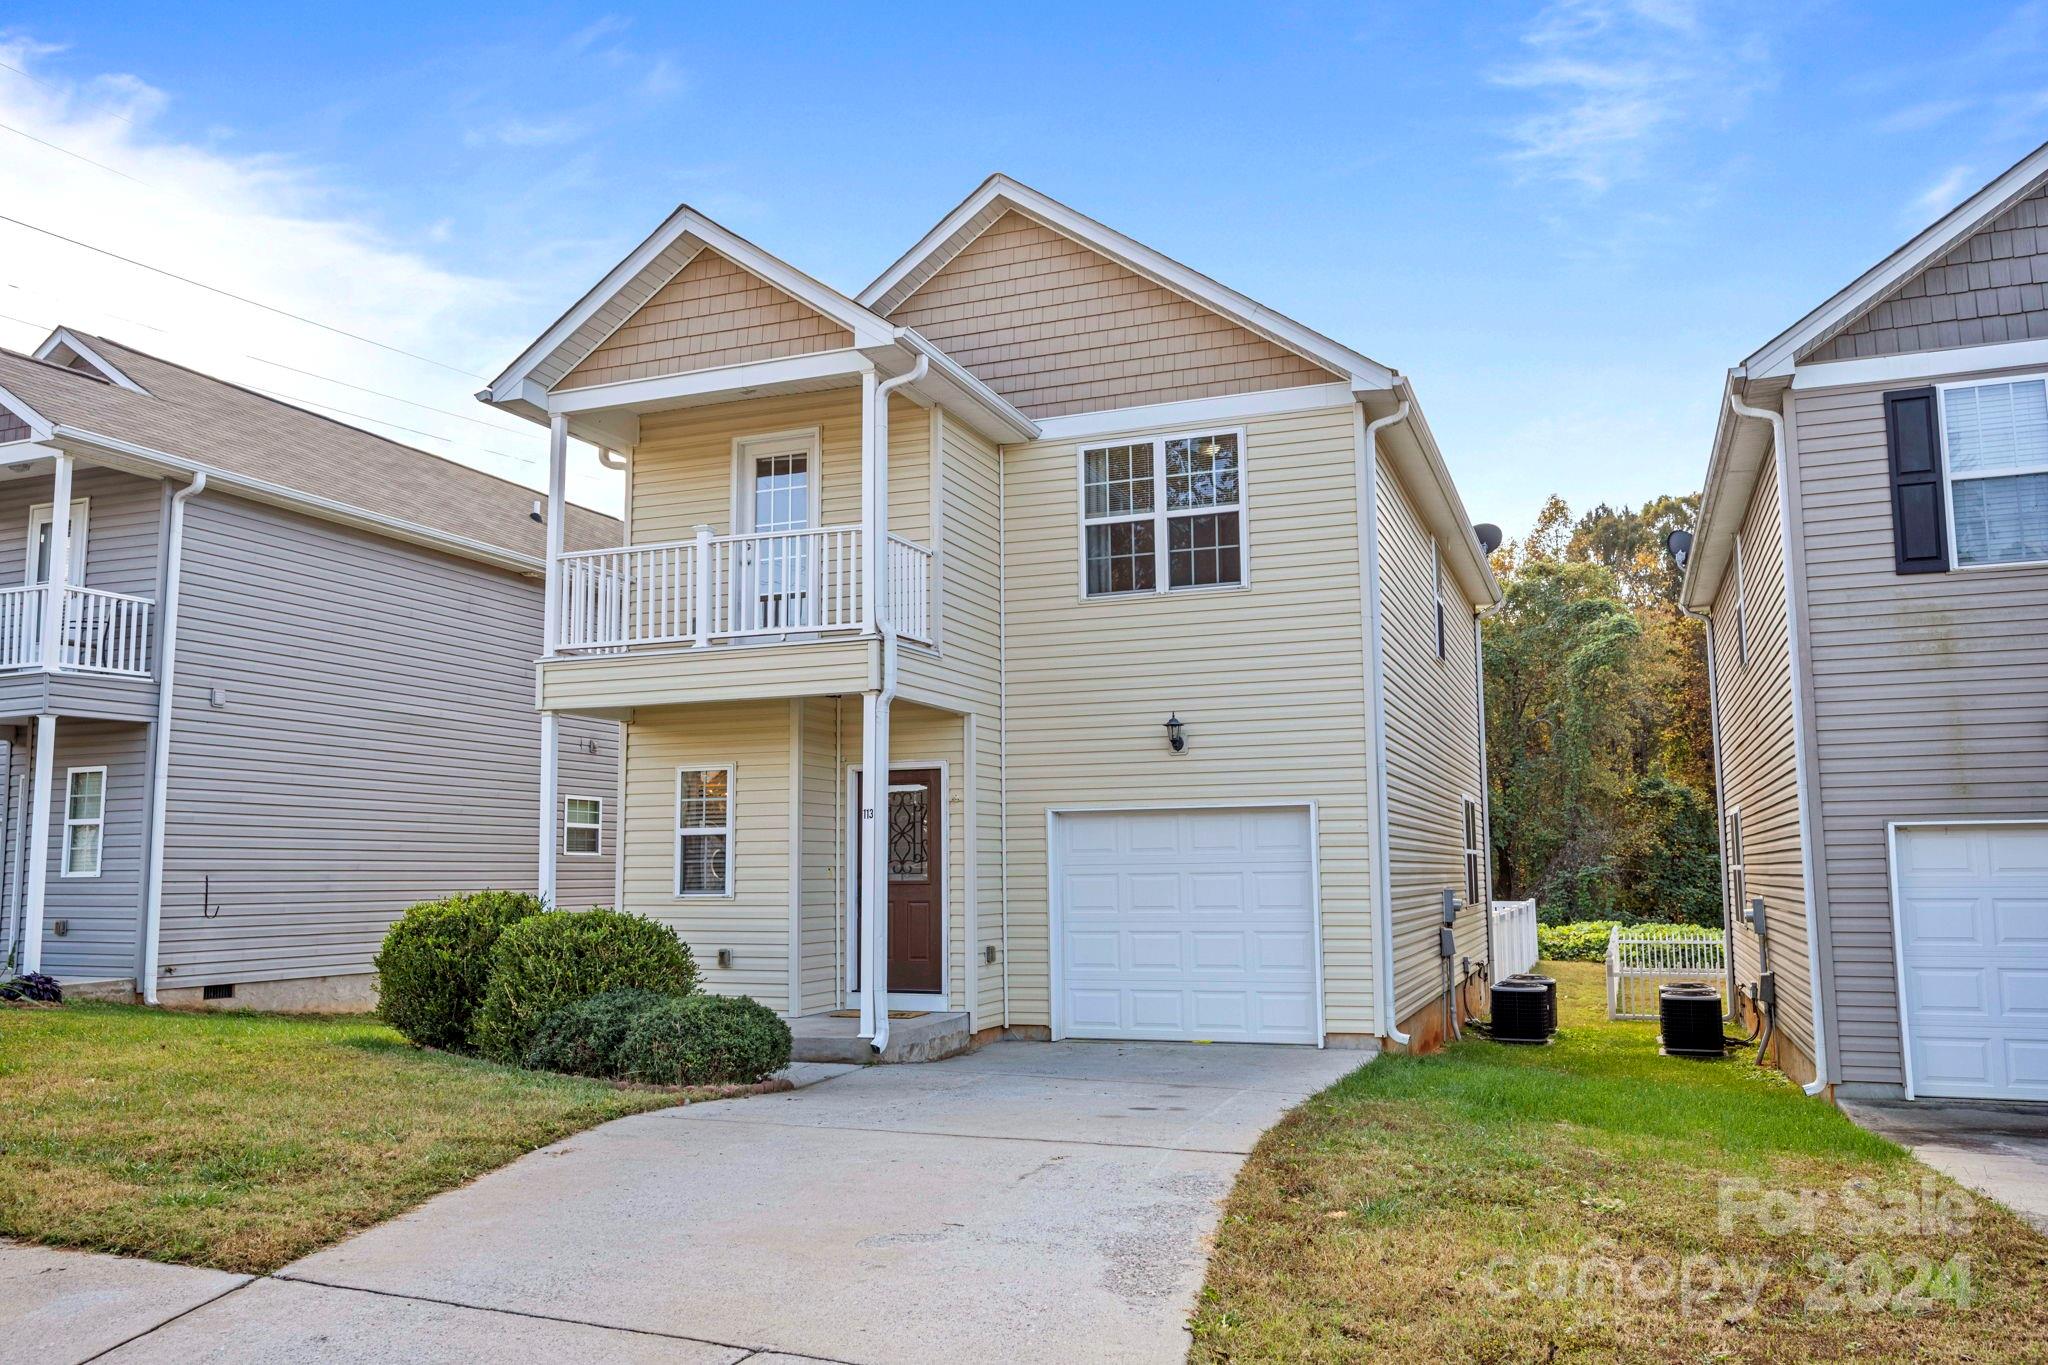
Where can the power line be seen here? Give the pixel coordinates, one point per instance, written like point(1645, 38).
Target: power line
point(377, 393)
point(51, 85)
point(75, 156)
point(238, 298)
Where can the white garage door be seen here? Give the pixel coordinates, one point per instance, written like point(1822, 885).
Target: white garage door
point(1973, 920)
point(1192, 924)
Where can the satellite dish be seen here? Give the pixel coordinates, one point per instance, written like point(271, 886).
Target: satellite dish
point(1489, 536)
point(1679, 543)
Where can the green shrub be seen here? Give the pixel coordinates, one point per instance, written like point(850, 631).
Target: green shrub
point(1586, 940)
point(705, 1040)
point(436, 959)
point(583, 1039)
point(541, 964)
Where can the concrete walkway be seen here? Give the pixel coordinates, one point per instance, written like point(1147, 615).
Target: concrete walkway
point(1999, 1151)
point(1029, 1202)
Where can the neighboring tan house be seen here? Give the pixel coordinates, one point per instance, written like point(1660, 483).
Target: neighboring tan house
point(1873, 554)
point(262, 702)
point(1174, 680)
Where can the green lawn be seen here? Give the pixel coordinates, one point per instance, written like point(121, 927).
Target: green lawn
point(1499, 1203)
point(244, 1140)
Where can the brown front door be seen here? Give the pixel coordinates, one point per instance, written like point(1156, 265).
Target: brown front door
point(917, 926)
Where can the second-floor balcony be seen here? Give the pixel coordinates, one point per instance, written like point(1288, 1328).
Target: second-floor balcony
point(99, 632)
point(763, 587)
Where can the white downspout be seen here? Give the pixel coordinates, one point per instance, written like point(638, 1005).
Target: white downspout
point(1479, 615)
point(160, 757)
point(874, 920)
point(1799, 717)
point(1728, 911)
point(1375, 658)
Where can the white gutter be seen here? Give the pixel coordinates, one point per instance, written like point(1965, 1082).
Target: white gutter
point(160, 757)
point(1798, 682)
point(1367, 442)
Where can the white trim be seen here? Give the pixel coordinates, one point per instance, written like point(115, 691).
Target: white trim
point(1776, 356)
point(569, 825)
point(1949, 476)
point(1235, 407)
point(1920, 365)
point(795, 871)
point(1161, 516)
point(676, 389)
point(39, 516)
point(71, 822)
point(730, 830)
point(805, 441)
point(1891, 876)
point(66, 339)
point(1056, 981)
point(40, 428)
point(999, 193)
point(847, 901)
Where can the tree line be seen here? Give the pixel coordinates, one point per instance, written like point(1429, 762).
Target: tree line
point(1599, 736)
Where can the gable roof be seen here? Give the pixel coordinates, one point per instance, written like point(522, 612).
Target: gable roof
point(999, 195)
point(175, 417)
point(1781, 353)
point(627, 286)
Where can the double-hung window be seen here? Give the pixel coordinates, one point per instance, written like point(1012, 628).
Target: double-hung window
point(85, 820)
point(1741, 610)
point(1995, 449)
point(1163, 514)
point(704, 826)
point(1475, 856)
point(1738, 877)
point(1436, 574)
point(583, 825)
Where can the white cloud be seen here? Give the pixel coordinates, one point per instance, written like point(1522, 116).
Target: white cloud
point(1915, 118)
point(1616, 80)
point(269, 229)
point(1941, 196)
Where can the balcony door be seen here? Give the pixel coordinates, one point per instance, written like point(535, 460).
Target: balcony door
point(39, 544)
point(774, 571)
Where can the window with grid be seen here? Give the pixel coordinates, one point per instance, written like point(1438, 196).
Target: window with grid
point(1436, 574)
point(1741, 611)
point(704, 827)
point(85, 819)
point(582, 824)
point(1995, 448)
point(1738, 879)
point(1161, 515)
point(1475, 856)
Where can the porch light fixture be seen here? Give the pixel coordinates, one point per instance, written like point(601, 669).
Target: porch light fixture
point(1175, 740)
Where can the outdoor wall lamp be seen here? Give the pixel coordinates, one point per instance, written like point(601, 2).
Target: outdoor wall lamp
point(1175, 740)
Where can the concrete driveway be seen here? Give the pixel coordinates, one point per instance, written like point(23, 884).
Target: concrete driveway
point(1997, 1150)
point(1030, 1202)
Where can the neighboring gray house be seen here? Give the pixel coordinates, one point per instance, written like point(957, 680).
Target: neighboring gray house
point(1873, 555)
point(278, 687)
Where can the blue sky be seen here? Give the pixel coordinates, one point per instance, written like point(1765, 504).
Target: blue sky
point(1563, 220)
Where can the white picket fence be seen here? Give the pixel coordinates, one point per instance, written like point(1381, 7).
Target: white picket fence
point(1514, 937)
point(1638, 964)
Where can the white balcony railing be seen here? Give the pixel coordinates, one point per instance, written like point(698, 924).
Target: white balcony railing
point(103, 632)
point(766, 586)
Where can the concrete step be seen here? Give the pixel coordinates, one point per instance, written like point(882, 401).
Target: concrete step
point(118, 990)
point(926, 1038)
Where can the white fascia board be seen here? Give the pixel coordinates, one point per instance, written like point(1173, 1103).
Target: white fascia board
point(39, 426)
point(999, 420)
point(1922, 365)
point(1433, 482)
point(671, 388)
point(1776, 357)
point(1190, 412)
point(126, 454)
point(1135, 255)
point(867, 329)
point(66, 339)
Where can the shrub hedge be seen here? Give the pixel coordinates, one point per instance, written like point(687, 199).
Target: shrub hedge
point(432, 969)
point(542, 964)
point(1586, 940)
point(704, 1040)
point(582, 1039)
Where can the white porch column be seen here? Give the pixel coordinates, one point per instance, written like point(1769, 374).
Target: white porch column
point(874, 503)
point(874, 862)
point(60, 565)
point(38, 850)
point(558, 467)
point(550, 801)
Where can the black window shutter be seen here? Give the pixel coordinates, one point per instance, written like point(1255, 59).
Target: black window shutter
point(1919, 522)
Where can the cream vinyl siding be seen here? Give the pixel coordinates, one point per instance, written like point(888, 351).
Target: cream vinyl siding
point(1432, 750)
point(1928, 702)
point(752, 738)
point(679, 677)
point(714, 312)
point(1758, 769)
point(826, 744)
point(1269, 680)
point(1056, 327)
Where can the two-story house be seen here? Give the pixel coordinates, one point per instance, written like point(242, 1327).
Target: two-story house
point(1114, 632)
point(255, 696)
point(1873, 556)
